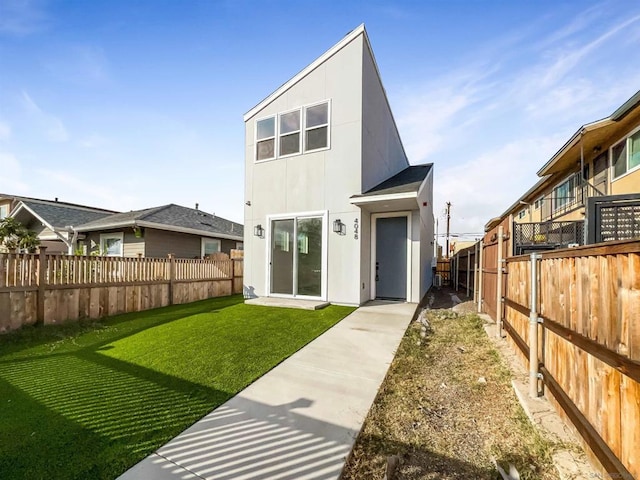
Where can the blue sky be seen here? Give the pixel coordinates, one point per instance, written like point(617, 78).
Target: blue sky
point(133, 104)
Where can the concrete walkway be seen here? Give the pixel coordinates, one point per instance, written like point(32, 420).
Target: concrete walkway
point(298, 421)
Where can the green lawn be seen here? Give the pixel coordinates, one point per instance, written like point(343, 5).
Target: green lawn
point(89, 400)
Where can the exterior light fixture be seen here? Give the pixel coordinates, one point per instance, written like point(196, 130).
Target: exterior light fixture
point(258, 231)
point(339, 227)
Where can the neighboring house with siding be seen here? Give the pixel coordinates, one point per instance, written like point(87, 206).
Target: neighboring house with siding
point(157, 232)
point(589, 191)
point(51, 220)
point(334, 212)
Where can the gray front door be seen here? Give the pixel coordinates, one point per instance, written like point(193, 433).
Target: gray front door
point(391, 258)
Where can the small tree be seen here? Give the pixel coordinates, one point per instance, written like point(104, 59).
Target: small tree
point(14, 236)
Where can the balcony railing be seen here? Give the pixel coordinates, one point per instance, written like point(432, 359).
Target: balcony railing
point(529, 237)
point(569, 195)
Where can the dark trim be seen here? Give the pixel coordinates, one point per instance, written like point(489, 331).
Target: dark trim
point(590, 435)
point(592, 213)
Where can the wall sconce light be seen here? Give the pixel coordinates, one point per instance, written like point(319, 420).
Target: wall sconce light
point(258, 231)
point(339, 227)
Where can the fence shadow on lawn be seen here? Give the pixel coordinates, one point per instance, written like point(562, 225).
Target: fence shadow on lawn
point(111, 412)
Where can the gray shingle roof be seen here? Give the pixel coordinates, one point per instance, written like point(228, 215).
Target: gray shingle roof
point(169, 216)
point(406, 181)
point(60, 215)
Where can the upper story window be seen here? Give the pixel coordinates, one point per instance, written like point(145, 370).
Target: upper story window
point(522, 213)
point(625, 155)
point(266, 138)
point(289, 138)
point(316, 133)
point(4, 211)
point(538, 203)
point(305, 129)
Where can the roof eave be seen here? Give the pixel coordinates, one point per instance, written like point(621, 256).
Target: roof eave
point(589, 127)
point(626, 107)
point(305, 71)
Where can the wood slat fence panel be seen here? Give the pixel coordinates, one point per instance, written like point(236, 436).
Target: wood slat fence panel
point(589, 300)
point(55, 288)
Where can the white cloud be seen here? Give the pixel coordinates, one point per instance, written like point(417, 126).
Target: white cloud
point(51, 126)
point(11, 178)
point(79, 64)
point(489, 182)
point(5, 131)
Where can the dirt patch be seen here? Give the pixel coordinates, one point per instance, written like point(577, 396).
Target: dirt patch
point(446, 409)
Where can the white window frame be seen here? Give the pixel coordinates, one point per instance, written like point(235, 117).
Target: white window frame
point(303, 132)
point(279, 134)
point(325, 257)
point(205, 240)
point(5, 209)
point(522, 213)
point(615, 144)
point(305, 129)
point(274, 138)
point(105, 236)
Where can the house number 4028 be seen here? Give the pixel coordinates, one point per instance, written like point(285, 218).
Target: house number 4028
point(355, 229)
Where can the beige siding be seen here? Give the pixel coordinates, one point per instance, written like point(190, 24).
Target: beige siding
point(629, 183)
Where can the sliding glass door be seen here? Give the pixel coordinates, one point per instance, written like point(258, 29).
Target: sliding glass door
point(297, 256)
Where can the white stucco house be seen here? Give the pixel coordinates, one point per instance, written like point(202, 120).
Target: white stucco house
point(333, 210)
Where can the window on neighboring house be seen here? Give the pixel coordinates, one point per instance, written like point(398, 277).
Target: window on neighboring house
point(266, 138)
point(625, 155)
point(316, 127)
point(538, 203)
point(112, 244)
point(4, 211)
point(289, 133)
point(239, 246)
point(209, 246)
point(561, 195)
point(522, 213)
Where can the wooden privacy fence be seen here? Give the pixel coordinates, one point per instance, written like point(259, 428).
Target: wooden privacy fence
point(588, 342)
point(48, 289)
point(464, 270)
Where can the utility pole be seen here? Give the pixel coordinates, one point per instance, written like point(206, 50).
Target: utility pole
point(448, 217)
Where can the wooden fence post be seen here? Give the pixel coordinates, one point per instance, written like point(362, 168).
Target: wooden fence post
point(42, 280)
point(480, 275)
point(172, 276)
point(499, 283)
point(468, 269)
point(475, 273)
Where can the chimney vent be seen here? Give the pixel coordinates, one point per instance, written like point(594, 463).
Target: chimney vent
point(196, 206)
point(56, 199)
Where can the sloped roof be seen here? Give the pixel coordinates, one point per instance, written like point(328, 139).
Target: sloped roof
point(348, 38)
point(169, 217)
point(594, 134)
point(61, 215)
point(406, 181)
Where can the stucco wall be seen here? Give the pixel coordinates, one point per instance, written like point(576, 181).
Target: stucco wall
point(312, 182)
point(382, 153)
point(629, 183)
